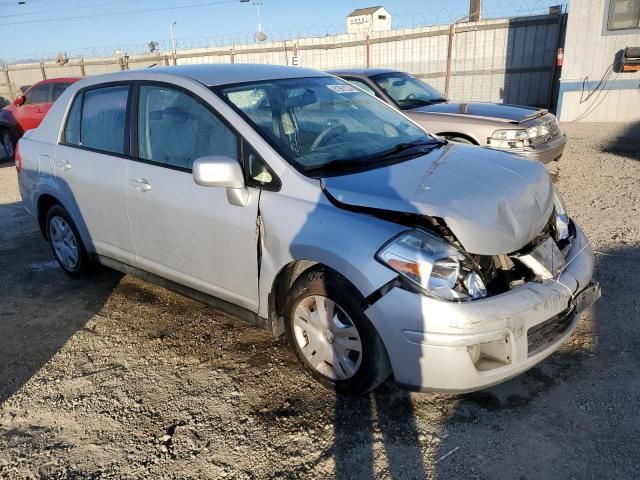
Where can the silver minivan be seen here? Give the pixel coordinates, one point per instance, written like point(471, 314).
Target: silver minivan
point(292, 199)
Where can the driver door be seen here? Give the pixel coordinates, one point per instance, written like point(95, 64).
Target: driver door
point(183, 231)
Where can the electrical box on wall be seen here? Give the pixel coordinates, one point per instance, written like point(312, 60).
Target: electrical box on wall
point(629, 60)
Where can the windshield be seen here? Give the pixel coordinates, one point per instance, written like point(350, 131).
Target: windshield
point(326, 126)
point(407, 91)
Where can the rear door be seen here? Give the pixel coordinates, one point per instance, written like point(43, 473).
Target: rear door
point(89, 168)
point(183, 231)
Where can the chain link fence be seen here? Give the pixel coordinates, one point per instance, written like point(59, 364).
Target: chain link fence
point(508, 60)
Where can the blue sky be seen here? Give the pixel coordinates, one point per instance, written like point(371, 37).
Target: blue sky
point(45, 35)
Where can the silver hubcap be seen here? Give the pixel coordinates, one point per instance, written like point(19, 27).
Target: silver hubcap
point(327, 337)
point(64, 242)
point(8, 146)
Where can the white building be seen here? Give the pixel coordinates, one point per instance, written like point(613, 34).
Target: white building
point(592, 89)
point(367, 20)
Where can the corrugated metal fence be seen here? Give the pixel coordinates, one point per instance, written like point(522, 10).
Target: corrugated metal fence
point(502, 60)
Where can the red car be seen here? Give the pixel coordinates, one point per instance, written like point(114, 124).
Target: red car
point(27, 111)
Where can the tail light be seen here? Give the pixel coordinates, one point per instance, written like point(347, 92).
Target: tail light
point(18, 158)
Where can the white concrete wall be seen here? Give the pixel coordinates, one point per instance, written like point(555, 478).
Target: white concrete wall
point(493, 60)
point(589, 52)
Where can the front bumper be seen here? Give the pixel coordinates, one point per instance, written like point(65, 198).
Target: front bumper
point(545, 152)
point(431, 342)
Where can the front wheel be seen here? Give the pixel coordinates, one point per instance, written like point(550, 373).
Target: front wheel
point(331, 336)
point(66, 243)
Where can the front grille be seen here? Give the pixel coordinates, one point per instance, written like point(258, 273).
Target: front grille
point(548, 332)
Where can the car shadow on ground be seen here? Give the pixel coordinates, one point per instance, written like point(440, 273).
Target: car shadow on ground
point(357, 421)
point(584, 392)
point(41, 307)
point(627, 143)
point(5, 164)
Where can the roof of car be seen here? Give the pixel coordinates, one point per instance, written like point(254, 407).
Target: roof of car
point(221, 74)
point(367, 72)
point(58, 80)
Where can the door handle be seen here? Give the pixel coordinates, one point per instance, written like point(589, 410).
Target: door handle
point(140, 184)
point(64, 164)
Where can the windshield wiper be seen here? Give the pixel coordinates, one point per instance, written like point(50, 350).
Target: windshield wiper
point(423, 103)
point(401, 151)
point(346, 164)
point(407, 149)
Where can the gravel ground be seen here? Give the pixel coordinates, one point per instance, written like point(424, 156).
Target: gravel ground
point(111, 377)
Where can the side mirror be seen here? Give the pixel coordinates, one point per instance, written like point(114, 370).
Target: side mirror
point(20, 101)
point(218, 171)
point(224, 172)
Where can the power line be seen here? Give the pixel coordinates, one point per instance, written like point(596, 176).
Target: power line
point(16, 2)
point(146, 10)
point(70, 8)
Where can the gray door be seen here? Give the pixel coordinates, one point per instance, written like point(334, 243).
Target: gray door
point(182, 231)
point(89, 169)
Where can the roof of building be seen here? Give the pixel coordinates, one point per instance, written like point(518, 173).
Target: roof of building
point(364, 11)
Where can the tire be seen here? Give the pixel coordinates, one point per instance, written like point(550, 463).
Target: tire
point(8, 145)
point(347, 371)
point(453, 138)
point(65, 241)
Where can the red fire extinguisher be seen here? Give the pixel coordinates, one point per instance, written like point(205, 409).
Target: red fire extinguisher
point(560, 57)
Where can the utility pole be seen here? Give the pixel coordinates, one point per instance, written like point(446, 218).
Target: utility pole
point(260, 36)
point(475, 8)
point(173, 38)
point(258, 4)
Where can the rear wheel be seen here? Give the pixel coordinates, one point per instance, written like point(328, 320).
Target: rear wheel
point(8, 145)
point(66, 243)
point(331, 336)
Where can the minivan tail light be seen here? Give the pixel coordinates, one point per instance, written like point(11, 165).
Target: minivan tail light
point(18, 158)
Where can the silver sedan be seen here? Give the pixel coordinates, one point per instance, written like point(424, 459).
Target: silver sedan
point(292, 199)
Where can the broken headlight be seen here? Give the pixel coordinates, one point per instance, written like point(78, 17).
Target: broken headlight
point(435, 267)
point(562, 218)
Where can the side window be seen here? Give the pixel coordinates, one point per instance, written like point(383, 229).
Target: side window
point(57, 89)
point(362, 85)
point(103, 118)
point(72, 128)
point(39, 94)
point(257, 171)
point(175, 129)
point(623, 14)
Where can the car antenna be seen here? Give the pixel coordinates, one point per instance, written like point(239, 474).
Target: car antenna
point(152, 65)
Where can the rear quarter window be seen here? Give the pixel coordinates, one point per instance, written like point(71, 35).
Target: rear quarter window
point(72, 127)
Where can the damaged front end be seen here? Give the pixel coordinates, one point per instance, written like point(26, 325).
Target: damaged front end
point(430, 260)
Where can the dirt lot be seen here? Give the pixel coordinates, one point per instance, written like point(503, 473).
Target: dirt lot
point(111, 377)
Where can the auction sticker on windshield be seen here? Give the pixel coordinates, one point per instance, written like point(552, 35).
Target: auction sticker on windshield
point(343, 88)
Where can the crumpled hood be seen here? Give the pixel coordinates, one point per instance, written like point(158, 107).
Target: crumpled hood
point(494, 111)
point(493, 202)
